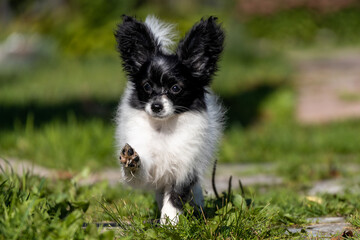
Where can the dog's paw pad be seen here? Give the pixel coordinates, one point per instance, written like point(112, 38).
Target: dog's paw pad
point(129, 158)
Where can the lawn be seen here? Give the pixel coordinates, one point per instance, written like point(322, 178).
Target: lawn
point(58, 112)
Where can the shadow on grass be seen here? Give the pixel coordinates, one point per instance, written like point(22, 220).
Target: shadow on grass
point(43, 113)
point(243, 108)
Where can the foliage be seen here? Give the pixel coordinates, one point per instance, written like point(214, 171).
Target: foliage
point(76, 25)
point(354, 219)
point(36, 208)
point(301, 26)
point(33, 208)
point(295, 208)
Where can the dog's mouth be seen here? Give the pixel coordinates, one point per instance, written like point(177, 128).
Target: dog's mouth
point(160, 116)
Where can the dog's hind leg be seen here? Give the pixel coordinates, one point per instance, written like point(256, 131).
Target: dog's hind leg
point(159, 196)
point(198, 195)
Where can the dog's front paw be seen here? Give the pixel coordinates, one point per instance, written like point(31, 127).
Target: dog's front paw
point(129, 158)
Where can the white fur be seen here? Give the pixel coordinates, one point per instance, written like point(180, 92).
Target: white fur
point(168, 211)
point(164, 32)
point(170, 148)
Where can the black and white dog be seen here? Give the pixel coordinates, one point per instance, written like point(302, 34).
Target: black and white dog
point(168, 122)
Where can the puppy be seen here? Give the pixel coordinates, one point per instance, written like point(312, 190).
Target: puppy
point(168, 122)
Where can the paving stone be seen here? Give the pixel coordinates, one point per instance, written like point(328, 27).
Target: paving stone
point(240, 172)
point(332, 186)
point(21, 167)
point(112, 176)
point(324, 228)
point(222, 182)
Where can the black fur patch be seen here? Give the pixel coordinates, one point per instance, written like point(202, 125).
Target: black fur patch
point(180, 195)
point(161, 79)
point(191, 67)
point(200, 50)
point(135, 43)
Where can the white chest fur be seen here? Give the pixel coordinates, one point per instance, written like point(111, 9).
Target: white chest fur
point(170, 149)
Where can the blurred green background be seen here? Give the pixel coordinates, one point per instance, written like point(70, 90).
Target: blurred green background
point(61, 79)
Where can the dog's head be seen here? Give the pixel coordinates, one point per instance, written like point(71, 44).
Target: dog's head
point(167, 83)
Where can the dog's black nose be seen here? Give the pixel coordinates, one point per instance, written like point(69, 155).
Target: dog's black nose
point(157, 107)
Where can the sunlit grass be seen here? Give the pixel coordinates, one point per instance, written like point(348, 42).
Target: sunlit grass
point(59, 81)
point(32, 207)
point(69, 145)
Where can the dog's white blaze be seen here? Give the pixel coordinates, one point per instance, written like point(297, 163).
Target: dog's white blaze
point(169, 149)
point(164, 32)
point(168, 108)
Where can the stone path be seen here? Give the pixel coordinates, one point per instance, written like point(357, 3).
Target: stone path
point(224, 171)
point(239, 172)
point(21, 167)
point(328, 86)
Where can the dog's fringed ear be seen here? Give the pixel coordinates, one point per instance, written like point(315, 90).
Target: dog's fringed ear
point(135, 43)
point(200, 50)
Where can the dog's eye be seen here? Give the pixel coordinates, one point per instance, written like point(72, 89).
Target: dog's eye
point(147, 87)
point(175, 89)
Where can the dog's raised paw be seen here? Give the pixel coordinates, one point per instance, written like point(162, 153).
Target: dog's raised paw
point(129, 158)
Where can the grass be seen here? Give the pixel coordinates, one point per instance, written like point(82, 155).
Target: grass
point(306, 27)
point(59, 81)
point(52, 132)
point(231, 220)
point(313, 150)
point(33, 207)
point(349, 97)
point(69, 145)
point(354, 219)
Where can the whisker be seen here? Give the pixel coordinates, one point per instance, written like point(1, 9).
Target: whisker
point(181, 108)
point(132, 174)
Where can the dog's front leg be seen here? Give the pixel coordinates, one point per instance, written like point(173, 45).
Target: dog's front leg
point(170, 209)
point(132, 172)
point(129, 158)
point(175, 196)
